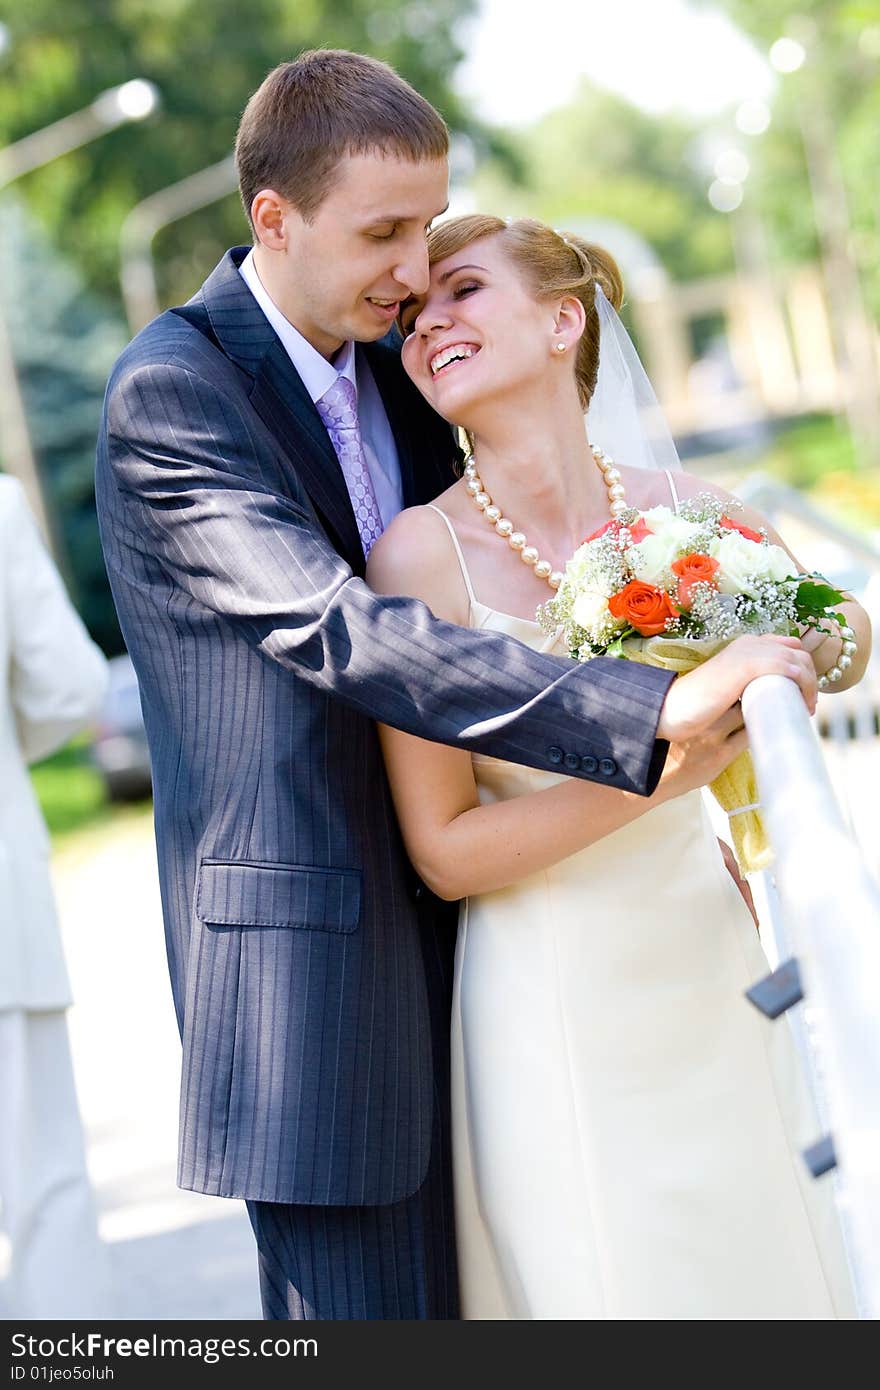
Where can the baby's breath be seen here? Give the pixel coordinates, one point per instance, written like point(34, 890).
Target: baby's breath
point(603, 567)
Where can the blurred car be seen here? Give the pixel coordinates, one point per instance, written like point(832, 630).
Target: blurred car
point(120, 750)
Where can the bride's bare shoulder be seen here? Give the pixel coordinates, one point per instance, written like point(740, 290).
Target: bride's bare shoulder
point(414, 556)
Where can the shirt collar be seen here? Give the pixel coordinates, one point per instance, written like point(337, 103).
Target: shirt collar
point(317, 374)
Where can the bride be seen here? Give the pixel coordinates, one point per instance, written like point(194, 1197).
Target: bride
point(626, 1125)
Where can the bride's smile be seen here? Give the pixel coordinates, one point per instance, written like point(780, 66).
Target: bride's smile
point(449, 356)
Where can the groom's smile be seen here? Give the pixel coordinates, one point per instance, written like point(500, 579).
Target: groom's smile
point(387, 309)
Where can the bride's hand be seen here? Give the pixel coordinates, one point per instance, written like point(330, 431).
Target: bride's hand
point(696, 701)
point(696, 761)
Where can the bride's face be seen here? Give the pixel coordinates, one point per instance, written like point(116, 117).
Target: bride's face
point(478, 336)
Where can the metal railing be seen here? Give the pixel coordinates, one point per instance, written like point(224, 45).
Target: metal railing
point(831, 907)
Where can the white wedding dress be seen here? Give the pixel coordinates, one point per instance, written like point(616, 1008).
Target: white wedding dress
point(626, 1126)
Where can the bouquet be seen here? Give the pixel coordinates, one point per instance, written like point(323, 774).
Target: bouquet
point(672, 588)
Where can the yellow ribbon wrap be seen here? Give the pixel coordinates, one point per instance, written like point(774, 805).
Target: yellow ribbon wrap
point(736, 786)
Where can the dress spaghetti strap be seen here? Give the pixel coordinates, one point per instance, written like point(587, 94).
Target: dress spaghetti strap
point(463, 567)
point(675, 503)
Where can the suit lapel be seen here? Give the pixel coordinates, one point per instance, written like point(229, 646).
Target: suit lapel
point(282, 401)
point(384, 363)
point(425, 448)
point(284, 404)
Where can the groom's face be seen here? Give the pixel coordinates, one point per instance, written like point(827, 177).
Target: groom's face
point(345, 272)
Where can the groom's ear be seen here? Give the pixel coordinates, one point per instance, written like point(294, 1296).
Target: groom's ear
point(270, 211)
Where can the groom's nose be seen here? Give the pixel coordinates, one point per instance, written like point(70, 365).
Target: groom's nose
point(411, 269)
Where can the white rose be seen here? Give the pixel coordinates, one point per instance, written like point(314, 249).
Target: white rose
point(741, 562)
point(672, 527)
point(665, 522)
point(584, 566)
point(590, 609)
point(651, 558)
point(780, 564)
point(656, 518)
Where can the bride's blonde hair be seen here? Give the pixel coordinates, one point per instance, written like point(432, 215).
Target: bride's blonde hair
point(553, 264)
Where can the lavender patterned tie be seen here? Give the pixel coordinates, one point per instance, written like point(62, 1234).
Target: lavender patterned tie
point(338, 409)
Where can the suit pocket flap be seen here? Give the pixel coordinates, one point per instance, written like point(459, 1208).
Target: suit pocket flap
point(250, 894)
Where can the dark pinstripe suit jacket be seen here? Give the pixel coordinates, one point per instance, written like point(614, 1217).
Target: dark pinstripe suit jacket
point(292, 917)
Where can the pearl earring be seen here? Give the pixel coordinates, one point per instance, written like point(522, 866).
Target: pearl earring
point(560, 347)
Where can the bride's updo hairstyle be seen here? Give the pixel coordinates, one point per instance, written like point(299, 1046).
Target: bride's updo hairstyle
point(553, 264)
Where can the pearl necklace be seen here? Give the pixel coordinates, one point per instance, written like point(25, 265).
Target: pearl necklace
point(517, 539)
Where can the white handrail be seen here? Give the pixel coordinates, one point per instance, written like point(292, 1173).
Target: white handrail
point(832, 912)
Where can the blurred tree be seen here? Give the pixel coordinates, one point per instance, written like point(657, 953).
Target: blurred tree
point(816, 187)
point(206, 59)
point(65, 343)
point(599, 157)
point(832, 100)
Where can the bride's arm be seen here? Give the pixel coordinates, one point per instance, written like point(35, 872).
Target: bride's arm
point(459, 847)
point(824, 650)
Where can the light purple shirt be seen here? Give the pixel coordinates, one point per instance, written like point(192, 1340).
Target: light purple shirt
point(318, 374)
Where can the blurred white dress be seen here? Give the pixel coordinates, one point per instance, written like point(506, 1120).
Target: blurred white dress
point(626, 1126)
point(52, 684)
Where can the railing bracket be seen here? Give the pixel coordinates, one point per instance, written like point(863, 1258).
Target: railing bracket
point(778, 991)
point(820, 1157)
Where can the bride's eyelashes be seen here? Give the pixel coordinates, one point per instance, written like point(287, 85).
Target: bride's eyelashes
point(409, 313)
point(465, 288)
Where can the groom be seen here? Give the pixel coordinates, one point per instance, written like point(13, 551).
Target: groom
point(249, 455)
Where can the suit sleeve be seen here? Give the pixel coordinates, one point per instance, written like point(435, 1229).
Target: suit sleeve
point(58, 676)
point(200, 486)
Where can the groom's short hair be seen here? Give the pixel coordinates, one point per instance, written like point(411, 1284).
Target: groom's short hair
point(310, 113)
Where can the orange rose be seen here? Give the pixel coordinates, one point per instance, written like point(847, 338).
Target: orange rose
point(600, 531)
point(643, 607)
point(693, 569)
point(638, 531)
point(746, 531)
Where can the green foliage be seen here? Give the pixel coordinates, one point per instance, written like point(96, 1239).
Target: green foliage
point(68, 788)
point(206, 59)
point(71, 793)
point(65, 344)
point(805, 451)
point(836, 93)
point(601, 158)
point(817, 455)
point(814, 598)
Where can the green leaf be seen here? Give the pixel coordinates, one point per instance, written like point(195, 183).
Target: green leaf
point(817, 595)
point(814, 599)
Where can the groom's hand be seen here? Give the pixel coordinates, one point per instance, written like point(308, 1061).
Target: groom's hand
point(698, 699)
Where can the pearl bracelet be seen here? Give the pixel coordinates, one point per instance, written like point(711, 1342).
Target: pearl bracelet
point(843, 662)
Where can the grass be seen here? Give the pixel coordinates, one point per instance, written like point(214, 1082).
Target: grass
point(71, 792)
point(817, 455)
point(814, 454)
point(806, 451)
